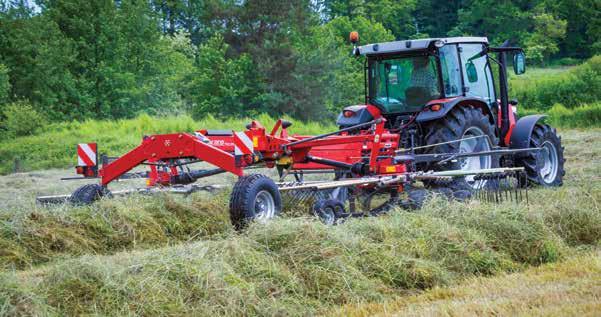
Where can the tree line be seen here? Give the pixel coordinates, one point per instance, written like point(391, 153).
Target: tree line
point(110, 59)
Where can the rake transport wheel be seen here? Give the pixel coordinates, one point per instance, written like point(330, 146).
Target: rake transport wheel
point(462, 122)
point(255, 197)
point(548, 169)
point(88, 194)
point(329, 211)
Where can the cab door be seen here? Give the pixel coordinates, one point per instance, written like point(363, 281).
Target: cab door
point(477, 75)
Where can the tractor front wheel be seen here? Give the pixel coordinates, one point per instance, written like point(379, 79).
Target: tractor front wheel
point(545, 167)
point(254, 198)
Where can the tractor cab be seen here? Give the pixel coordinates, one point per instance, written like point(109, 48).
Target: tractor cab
point(414, 78)
point(404, 76)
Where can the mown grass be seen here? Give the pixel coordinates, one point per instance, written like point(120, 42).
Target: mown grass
point(300, 267)
point(42, 235)
point(569, 288)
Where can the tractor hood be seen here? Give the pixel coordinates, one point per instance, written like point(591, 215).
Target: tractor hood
point(414, 45)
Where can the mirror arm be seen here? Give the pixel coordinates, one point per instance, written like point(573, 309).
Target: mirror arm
point(494, 60)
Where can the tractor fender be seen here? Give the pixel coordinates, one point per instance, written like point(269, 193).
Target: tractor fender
point(448, 104)
point(522, 131)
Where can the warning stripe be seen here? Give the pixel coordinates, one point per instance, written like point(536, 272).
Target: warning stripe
point(86, 154)
point(242, 144)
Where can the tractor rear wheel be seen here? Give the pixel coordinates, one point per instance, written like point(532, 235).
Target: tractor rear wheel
point(546, 167)
point(472, 125)
point(255, 197)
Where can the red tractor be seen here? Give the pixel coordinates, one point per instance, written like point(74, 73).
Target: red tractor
point(432, 114)
point(437, 91)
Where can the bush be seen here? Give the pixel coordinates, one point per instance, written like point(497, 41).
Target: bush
point(587, 116)
point(21, 119)
point(572, 88)
point(566, 61)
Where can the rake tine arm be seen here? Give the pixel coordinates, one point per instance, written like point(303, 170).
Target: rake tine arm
point(169, 146)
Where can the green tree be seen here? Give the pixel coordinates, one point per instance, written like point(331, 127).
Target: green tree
point(498, 20)
point(347, 86)
point(395, 16)
point(4, 85)
point(543, 41)
point(220, 85)
point(583, 28)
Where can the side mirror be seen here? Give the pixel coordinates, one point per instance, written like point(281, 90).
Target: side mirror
point(472, 74)
point(519, 63)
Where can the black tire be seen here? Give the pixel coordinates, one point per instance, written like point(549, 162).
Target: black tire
point(541, 135)
point(329, 211)
point(416, 198)
point(87, 194)
point(244, 197)
point(452, 127)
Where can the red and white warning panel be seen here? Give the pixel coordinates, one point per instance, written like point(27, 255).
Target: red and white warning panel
point(242, 144)
point(86, 154)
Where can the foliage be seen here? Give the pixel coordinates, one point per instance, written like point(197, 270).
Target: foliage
point(4, 85)
point(543, 41)
point(221, 86)
point(576, 86)
point(20, 119)
point(587, 116)
point(78, 59)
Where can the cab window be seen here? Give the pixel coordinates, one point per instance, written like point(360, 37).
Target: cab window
point(477, 76)
point(451, 72)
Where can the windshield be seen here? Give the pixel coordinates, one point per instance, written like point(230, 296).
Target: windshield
point(403, 84)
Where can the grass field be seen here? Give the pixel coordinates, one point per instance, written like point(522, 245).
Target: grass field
point(179, 256)
point(168, 255)
point(568, 288)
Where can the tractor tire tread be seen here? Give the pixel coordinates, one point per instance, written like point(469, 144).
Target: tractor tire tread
point(540, 134)
point(89, 193)
point(452, 127)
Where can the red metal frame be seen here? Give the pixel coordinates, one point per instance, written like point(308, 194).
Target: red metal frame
point(366, 147)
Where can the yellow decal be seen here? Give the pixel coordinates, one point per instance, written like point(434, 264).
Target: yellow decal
point(285, 160)
point(390, 169)
point(255, 141)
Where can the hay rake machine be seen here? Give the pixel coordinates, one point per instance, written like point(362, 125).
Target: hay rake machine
point(433, 122)
point(371, 174)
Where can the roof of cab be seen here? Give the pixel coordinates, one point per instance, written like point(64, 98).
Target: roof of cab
point(414, 45)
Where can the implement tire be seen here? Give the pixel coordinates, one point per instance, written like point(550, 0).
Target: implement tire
point(461, 122)
point(87, 194)
point(547, 167)
point(255, 197)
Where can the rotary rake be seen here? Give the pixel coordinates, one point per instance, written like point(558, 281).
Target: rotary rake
point(369, 173)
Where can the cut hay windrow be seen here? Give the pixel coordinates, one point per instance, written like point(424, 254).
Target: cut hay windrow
point(299, 266)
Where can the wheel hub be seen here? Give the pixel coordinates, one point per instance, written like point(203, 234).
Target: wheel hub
point(264, 206)
point(549, 159)
point(475, 140)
